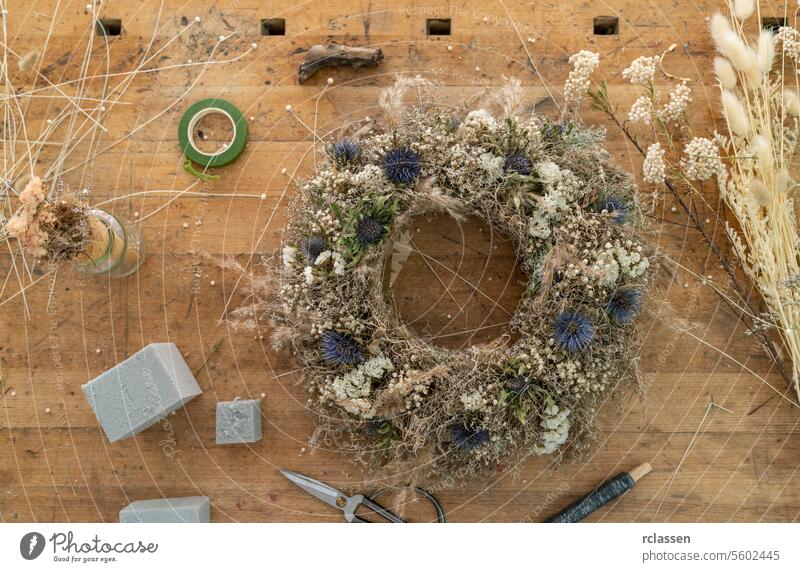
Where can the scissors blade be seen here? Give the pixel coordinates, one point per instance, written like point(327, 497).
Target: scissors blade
point(323, 492)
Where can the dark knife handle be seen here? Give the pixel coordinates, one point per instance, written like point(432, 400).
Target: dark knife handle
point(602, 495)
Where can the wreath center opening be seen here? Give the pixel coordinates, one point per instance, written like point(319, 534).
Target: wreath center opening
point(454, 283)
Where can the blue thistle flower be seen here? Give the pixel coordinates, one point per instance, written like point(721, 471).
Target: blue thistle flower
point(341, 349)
point(615, 206)
point(517, 163)
point(468, 437)
point(369, 231)
point(623, 305)
point(574, 331)
point(402, 166)
point(312, 246)
point(345, 151)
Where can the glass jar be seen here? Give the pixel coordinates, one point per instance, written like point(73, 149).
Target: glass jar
point(115, 246)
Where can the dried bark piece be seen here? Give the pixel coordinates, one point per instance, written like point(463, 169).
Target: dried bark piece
point(335, 55)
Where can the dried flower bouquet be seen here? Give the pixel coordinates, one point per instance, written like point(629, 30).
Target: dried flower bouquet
point(68, 230)
point(751, 164)
point(761, 106)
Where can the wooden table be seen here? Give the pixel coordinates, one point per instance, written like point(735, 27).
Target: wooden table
point(712, 460)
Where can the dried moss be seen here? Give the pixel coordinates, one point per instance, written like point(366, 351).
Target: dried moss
point(67, 230)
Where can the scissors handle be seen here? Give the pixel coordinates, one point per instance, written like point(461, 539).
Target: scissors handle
point(356, 501)
point(362, 500)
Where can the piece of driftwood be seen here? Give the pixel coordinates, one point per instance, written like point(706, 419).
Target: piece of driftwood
point(335, 55)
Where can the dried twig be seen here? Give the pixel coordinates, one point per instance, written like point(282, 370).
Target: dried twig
point(335, 55)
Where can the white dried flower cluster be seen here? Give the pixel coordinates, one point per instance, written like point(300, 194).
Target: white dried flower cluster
point(790, 42)
point(474, 400)
point(352, 388)
point(641, 110)
point(722, 141)
point(491, 166)
point(339, 264)
point(562, 192)
point(620, 259)
point(631, 262)
point(654, 168)
point(548, 172)
point(606, 268)
point(323, 257)
point(471, 168)
point(679, 99)
point(539, 225)
point(475, 124)
point(556, 424)
point(577, 84)
point(702, 160)
point(642, 70)
point(289, 255)
point(369, 180)
point(562, 189)
point(579, 377)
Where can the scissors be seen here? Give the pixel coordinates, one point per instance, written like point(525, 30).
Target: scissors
point(350, 504)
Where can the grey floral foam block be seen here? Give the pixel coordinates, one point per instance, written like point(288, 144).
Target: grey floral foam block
point(140, 391)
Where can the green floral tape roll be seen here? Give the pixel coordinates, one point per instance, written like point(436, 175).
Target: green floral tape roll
point(229, 152)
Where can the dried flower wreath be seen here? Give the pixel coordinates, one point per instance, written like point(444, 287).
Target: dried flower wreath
point(388, 396)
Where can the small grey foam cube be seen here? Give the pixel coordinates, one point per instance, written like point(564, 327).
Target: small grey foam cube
point(140, 391)
point(184, 509)
point(238, 421)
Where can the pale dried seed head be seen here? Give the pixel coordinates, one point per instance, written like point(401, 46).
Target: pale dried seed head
point(719, 25)
point(766, 51)
point(791, 102)
point(735, 114)
point(760, 192)
point(725, 73)
point(766, 161)
point(731, 45)
point(743, 9)
point(784, 182)
point(753, 72)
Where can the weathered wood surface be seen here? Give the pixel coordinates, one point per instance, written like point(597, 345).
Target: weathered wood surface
point(710, 464)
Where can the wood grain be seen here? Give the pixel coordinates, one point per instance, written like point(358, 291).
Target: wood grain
point(711, 460)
